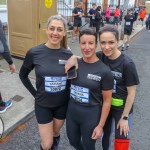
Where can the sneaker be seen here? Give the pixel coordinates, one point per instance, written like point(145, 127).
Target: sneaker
point(5, 106)
point(122, 49)
point(55, 143)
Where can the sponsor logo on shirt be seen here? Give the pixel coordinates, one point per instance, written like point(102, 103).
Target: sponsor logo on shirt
point(117, 74)
point(94, 77)
point(62, 62)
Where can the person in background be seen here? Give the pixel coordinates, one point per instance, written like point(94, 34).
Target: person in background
point(98, 18)
point(136, 13)
point(5, 104)
point(90, 95)
point(116, 16)
point(107, 14)
point(92, 13)
point(128, 26)
point(121, 15)
point(142, 15)
point(77, 13)
point(148, 22)
point(52, 88)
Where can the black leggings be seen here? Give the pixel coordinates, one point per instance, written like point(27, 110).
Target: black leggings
point(116, 115)
point(97, 27)
point(80, 123)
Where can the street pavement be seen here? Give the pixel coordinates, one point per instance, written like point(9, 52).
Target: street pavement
point(26, 137)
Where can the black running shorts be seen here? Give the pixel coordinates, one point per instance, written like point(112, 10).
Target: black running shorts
point(127, 31)
point(45, 115)
point(77, 23)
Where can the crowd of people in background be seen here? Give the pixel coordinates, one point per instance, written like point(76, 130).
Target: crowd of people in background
point(99, 17)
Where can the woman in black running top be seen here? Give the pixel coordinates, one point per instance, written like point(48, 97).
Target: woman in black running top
point(52, 89)
point(93, 86)
point(125, 81)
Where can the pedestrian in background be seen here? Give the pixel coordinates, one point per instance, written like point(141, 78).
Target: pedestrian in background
point(92, 13)
point(125, 81)
point(52, 88)
point(98, 18)
point(136, 13)
point(116, 16)
point(93, 86)
point(128, 27)
point(4, 105)
point(107, 14)
point(142, 15)
point(77, 13)
point(148, 23)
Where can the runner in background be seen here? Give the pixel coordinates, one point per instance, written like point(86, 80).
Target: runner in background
point(77, 13)
point(128, 26)
point(92, 13)
point(107, 14)
point(116, 16)
point(142, 15)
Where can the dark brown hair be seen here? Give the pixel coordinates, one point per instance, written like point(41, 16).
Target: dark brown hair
point(109, 28)
point(88, 31)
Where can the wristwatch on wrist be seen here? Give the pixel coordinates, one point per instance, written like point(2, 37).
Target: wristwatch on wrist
point(125, 117)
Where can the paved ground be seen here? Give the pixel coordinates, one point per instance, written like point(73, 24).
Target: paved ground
point(28, 138)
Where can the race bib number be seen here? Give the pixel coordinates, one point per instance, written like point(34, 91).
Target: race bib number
point(55, 84)
point(93, 17)
point(128, 23)
point(80, 94)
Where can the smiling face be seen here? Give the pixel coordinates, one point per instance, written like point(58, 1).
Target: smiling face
point(88, 46)
point(109, 44)
point(55, 32)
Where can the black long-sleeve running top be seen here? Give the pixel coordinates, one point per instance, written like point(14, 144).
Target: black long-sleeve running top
point(52, 87)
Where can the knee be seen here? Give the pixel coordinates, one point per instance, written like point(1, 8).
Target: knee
point(47, 145)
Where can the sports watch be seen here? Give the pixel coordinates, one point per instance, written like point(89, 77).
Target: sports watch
point(125, 117)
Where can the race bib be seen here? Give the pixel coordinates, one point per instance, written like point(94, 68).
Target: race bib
point(93, 17)
point(55, 84)
point(128, 23)
point(80, 94)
